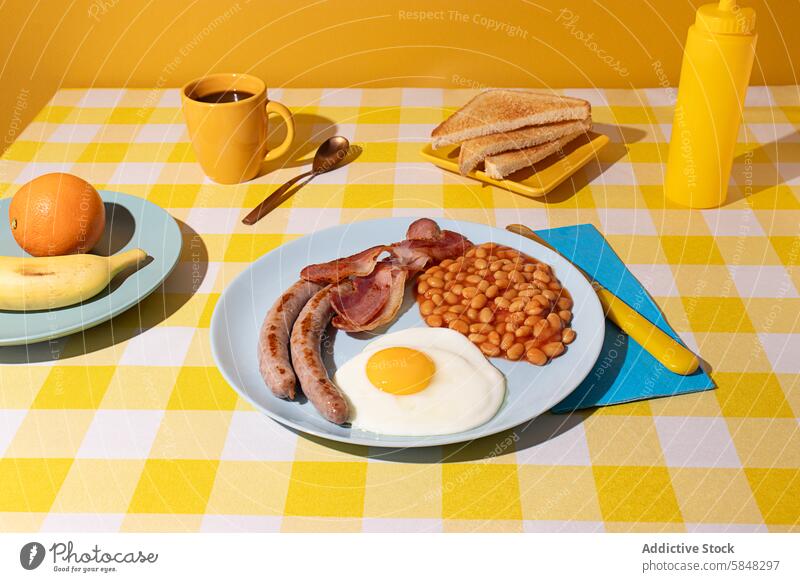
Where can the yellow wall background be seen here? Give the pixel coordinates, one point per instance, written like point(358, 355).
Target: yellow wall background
point(47, 44)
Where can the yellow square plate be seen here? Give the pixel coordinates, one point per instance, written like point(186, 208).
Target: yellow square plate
point(537, 180)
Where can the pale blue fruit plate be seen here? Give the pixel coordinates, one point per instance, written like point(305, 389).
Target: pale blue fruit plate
point(131, 222)
point(531, 390)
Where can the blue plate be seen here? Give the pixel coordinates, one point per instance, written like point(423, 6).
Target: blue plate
point(131, 222)
point(531, 390)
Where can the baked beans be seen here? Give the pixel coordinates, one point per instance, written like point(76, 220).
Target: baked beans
point(508, 304)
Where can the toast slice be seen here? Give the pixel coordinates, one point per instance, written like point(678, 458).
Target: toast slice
point(503, 110)
point(474, 151)
point(500, 166)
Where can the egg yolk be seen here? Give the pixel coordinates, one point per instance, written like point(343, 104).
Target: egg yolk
point(400, 371)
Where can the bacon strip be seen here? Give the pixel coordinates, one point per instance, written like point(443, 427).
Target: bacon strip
point(358, 301)
point(449, 244)
point(395, 301)
point(370, 292)
point(423, 229)
point(392, 299)
point(424, 242)
point(357, 265)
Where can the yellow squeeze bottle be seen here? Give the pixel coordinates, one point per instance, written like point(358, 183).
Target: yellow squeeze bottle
point(717, 62)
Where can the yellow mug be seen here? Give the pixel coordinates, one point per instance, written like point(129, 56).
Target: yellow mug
point(228, 116)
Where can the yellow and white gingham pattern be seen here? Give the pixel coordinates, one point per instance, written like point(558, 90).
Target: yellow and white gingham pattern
point(130, 427)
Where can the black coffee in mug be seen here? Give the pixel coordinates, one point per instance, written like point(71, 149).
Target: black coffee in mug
point(224, 97)
point(228, 117)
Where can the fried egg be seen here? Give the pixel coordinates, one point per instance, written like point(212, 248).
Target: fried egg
point(421, 381)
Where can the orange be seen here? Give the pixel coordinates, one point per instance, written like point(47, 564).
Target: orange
point(57, 214)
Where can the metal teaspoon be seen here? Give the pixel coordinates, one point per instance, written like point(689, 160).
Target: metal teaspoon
point(329, 155)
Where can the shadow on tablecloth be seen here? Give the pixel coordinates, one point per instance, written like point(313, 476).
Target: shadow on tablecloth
point(167, 299)
point(611, 153)
point(547, 428)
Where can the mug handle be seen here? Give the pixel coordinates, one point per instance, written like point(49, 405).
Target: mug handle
point(275, 108)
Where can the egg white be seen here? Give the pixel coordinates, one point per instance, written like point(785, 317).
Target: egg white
point(465, 391)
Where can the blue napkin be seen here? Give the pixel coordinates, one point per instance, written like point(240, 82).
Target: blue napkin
point(624, 371)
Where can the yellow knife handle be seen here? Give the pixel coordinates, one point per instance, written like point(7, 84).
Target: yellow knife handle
point(661, 346)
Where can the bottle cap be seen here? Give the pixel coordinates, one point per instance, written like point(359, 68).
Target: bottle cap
point(727, 17)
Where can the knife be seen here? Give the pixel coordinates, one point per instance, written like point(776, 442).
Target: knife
point(658, 344)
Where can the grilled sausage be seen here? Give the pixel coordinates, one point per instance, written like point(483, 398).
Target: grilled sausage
point(273, 342)
point(305, 342)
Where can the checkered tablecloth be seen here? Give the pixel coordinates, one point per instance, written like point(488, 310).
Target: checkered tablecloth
point(129, 426)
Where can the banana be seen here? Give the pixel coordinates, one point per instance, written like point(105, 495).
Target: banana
point(33, 283)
